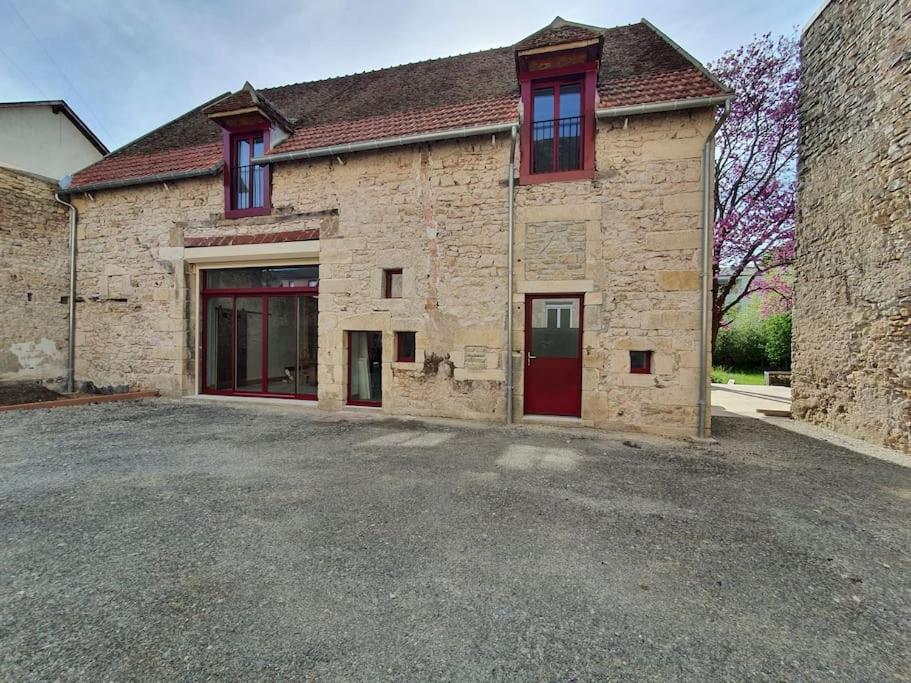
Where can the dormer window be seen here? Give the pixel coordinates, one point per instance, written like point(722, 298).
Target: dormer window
point(247, 119)
point(558, 75)
point(248, 191)
point(556, 126)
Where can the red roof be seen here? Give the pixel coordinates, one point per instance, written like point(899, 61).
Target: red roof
point(127, 167)
point(423, 120)
point(639, 65)
point(663, 87)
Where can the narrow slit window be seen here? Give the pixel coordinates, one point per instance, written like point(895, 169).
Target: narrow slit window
point(404, 347)
point(640, 362)
point(392, 283)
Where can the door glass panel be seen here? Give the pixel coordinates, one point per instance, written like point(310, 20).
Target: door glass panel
point(307, 345)
point(281, 343)
point(543, 130)
point(570, 127)
point(555, 328)
point(248, 372)
point(242, 180)
point(219, 326)
point(365, 372)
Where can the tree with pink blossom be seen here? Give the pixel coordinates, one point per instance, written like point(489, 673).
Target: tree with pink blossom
point(755, 172)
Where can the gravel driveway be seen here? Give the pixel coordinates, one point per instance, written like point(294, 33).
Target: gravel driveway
point(190, 540)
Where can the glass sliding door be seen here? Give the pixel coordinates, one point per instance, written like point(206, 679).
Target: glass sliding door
point(306, 346)
point(365, 368)
point(219, 325)
point(248, 368)
point(281, 343)
point(260, 331)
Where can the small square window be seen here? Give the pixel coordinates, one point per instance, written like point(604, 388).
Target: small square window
point(640, 362)
point(392, 283)
point(404, 347)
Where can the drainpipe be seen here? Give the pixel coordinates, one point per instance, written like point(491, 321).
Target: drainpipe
point(71, 351)
point(510, 210)
point(708, 153)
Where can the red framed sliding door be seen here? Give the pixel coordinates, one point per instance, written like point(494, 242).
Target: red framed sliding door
point(259, 332)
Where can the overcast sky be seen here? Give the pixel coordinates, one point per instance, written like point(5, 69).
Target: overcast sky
point(128, 66)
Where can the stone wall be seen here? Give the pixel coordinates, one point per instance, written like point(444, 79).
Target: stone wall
point(852, 313)
point(34, 266)
point(628, 240)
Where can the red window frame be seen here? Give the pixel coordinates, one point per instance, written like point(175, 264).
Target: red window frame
point(401, 357)
point(647, 370)
point(233, 293)
point(387, 283)
point(229, 140)
point(586, 75)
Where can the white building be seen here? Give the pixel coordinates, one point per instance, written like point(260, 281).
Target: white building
point(46, 139)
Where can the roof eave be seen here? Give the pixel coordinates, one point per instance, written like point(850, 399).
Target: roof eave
point(667, 105)
point(144, 180)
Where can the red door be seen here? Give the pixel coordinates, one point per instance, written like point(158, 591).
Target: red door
point(553, 354)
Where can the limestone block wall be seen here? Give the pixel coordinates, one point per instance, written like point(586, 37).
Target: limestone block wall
point(34, 266)
point(639, 221)
point(628, 240)
point(438, 213)
point(852, 311)
point(133, 319)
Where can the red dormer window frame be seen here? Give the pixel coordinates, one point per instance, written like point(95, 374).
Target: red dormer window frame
point(584, 74)
point(229, 138)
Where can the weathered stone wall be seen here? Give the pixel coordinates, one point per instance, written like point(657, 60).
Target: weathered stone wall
point(34, 238)
point(852, 312)
point(628, 240)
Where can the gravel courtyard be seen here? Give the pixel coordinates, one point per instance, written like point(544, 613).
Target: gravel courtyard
point(192, 539)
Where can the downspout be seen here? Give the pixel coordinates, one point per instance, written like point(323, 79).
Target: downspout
point(71, 351)
point(510, 210)
point(708, 153)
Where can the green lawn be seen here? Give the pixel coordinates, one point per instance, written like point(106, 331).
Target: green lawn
point(722, 375)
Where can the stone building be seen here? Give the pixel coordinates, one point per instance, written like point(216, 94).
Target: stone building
point(347, 241)
point(852, 309)
point(40, 142)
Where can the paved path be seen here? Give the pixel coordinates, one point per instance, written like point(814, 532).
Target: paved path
point(194, 540)
point(744, 399)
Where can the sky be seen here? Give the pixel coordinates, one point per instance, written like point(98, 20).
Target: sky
point(128, 66)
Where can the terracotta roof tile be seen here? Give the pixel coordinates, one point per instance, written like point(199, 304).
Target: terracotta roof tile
point(663, 87)
point(638, 66)
point(131, 166)
point(402, 123)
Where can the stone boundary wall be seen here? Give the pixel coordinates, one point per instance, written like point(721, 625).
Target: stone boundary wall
point(852, 309)
point(34, 280)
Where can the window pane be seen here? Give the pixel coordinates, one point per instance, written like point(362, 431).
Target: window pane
point(219, 327)
point(258, 174)
point(405, 346)
point(258, 146)
point(569, 145)
point(307, 346)
point(570, 100)
point(544, 104)
point(365, 371)
point(543, 131)
point(639, 360)
point(242, 153)
point(250, 278)
point(393, 284)
point(281, 344)
point(555, 328)
point(248, 372)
